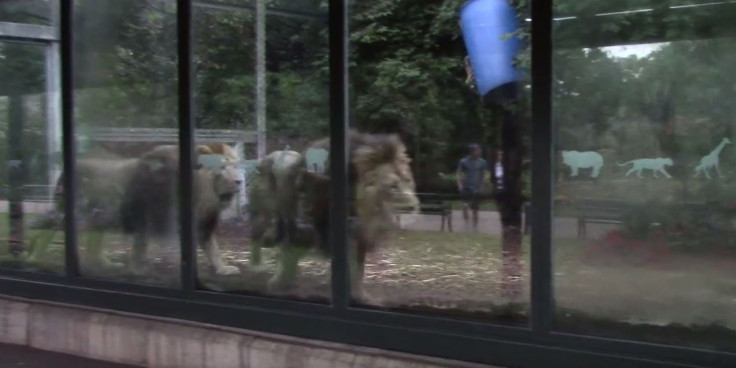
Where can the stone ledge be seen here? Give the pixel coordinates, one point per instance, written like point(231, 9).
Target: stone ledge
point(13, 322)
point(147, 341)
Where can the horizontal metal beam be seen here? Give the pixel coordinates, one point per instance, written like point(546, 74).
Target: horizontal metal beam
point(645, 26)
point(28, 32)
point(283, 12)
point(167, 135)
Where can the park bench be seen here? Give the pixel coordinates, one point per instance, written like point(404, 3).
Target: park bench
point(599, 211)
point(610, 211)
point(434, 204)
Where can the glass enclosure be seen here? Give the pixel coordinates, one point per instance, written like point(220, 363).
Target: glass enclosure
point(126, 79)
point(439, 120)
point(462, 247)
point(30, 150)
point(262, 92)
point(643, 220)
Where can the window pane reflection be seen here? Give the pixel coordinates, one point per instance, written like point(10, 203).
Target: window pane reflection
point(264, 239)
point(30, 156)
point(643, 226)
point(127, 140)
point(28, 11)
point(440, 175)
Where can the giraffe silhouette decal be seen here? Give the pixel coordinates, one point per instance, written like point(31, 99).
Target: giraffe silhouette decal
point(711, 160)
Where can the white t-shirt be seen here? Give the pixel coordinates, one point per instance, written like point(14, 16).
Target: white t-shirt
point(499, 175)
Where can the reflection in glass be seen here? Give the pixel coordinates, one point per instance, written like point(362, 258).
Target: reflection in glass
point(261, 102)
point(645, 249)
point(127, 151)
point(28, 11)
point(459, 249)
point(30, 144)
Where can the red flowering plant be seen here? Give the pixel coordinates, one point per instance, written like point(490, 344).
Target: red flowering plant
point(650, 232)
point(619, 244)
point(641, 237)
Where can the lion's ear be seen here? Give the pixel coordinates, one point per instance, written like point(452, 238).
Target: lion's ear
point(380, 149)
point(225, 149)
point(204, 150)
point(232, 153)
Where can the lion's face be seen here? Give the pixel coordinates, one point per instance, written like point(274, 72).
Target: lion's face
point(225, 187)
point(223, 162)
point(390, 185)
point(385, 179)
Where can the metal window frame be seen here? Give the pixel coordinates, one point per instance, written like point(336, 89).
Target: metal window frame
point(535, 345)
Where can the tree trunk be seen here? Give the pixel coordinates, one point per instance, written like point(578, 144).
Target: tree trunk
point(509, 199)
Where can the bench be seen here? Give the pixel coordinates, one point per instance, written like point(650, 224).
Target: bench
point(608, 211)
point(434, 204)
point(599, 211)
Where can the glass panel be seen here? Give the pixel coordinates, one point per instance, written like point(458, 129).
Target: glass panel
point(444, 232)
point(28, 11)
point(257, 179)
point(30, 155)
point(127, 157)
point(644, 222)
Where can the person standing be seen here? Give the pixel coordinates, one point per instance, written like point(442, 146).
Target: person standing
point(470, 180)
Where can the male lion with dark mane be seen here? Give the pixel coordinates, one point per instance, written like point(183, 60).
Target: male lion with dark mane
point(382, 185)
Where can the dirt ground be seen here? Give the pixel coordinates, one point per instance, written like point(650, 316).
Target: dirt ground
point(459, 274)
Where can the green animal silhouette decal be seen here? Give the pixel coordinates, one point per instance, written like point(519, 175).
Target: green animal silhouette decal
point(711, 160)
point(655, 164)
point(583, 160)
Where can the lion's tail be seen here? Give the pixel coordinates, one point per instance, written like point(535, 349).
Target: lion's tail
point(625, 163)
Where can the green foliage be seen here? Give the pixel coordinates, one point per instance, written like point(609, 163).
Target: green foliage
point(408, 76)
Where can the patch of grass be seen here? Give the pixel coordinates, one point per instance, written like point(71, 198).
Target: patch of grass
point(461, 274)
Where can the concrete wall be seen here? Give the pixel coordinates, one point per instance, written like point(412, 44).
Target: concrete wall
point(166, 343)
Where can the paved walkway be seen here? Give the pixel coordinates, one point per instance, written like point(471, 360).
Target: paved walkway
point(20, 356)
point(489, 222)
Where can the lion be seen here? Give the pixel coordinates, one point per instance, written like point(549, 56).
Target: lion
point(150, 204)
point(383, 184)
point(102, 185)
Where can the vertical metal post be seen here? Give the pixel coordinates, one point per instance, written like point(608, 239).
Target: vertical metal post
point(542, 307)
point(338, 29)
point(53, 106)
point(66, 13)
point(261, 77)
point(186, 147)
point(17, 170)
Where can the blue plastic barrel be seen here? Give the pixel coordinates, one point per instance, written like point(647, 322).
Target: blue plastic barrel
point(486, 26)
